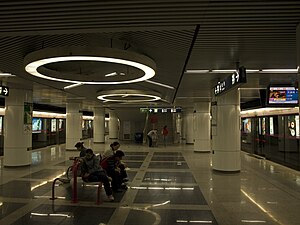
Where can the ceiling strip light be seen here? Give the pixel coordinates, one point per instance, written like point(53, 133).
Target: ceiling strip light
point(111, 74)
point(279, 71)
point(159, 84)
point(73, 85)
point(247, 70)
point(7, 75)
point(223, 71)
point(197, 71)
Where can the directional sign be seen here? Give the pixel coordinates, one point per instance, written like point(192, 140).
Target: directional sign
point(236, 78)
point(4, 90)
point(161, 110)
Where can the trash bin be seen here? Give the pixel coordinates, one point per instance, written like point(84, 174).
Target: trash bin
point(138, 137)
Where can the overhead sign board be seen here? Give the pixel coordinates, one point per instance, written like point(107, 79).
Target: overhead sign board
point(238, 77)
point(161, 110)
point(4, 90)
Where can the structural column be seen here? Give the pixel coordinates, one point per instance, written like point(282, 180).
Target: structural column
point(113, 125)
point(298, 46)
point(99, 125)
point(74, 129)
point(298, 55)
point(227, 141)
point(189, 126)
point(202, 127)
point(18, 128)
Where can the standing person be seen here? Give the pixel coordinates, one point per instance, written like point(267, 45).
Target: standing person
point(92, 172)
point(151, 134)
point(165, 133)
point(80, 147)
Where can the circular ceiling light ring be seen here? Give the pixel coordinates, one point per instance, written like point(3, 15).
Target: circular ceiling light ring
point(36, 60)
point(112, 96)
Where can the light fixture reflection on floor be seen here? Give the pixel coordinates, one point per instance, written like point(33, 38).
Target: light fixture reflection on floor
point(128, 96)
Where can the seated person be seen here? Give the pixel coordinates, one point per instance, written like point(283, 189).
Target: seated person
point(80, 147)
point(113, 148)
point(92, 172)
point(116, 170)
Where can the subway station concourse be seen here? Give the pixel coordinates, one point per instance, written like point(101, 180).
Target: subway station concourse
point(221, 76)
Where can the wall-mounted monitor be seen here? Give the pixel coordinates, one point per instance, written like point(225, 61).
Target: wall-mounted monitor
point(36, 125)
point(279, 95)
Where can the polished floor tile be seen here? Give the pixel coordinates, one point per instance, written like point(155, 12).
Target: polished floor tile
point(134, 157)
point(9, 207)
point(133, 164)
point(169, 165)
point(174, 154)
point(167, 158)
point(47, 214)
point(167, 185)
point(45, 174)
point(24, 189)
point(170, 216)
point(169, 177)
point(175, 194)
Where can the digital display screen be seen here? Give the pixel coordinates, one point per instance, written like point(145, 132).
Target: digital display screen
point(36, 125)
point(246, 125)
point(283, 95)
point(271, 126)
point(60, 124)
point(53, 125)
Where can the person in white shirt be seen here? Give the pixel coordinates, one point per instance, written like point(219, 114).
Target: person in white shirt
point(151, 134)
point(113, 148)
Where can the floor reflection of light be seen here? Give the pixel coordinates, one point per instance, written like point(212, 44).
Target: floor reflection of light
point(48, 197)
point(39, 185)
point(158, 179)
point(254, 221)
point(193, 221)
point(260, 207)
point(57, 176)
point(163, 188)
point(155, 188)
point(51, 214)
point(156, 205)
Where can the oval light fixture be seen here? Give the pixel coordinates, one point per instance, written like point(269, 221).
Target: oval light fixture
point(128, 96)
point(38, 61)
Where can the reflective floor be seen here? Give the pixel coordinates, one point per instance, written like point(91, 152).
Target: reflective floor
point(168, 185)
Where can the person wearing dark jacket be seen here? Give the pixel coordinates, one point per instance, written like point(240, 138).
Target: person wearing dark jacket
point(92, 172)
point(80, 147)
point(116, 170)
